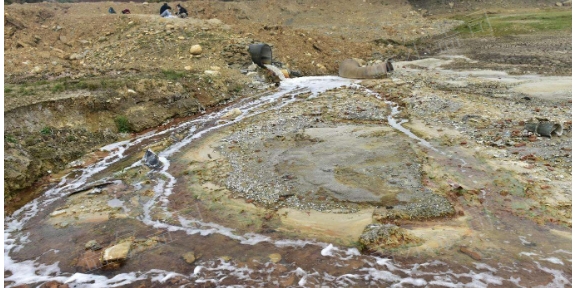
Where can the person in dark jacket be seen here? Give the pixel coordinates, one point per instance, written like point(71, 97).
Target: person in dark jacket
point(181, 11)
point(165, 10)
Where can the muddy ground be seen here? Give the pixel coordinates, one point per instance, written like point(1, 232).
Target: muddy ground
point(467, 167)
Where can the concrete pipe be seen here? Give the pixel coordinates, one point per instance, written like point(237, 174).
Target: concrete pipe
point(261, 54)
point(350, 68)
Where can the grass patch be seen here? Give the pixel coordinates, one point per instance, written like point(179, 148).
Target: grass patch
point(58, 88)
point(122, 124)
point(9, 138)
point(8, 90)
point(172, 75)
point(515, 24)
point(46, 131)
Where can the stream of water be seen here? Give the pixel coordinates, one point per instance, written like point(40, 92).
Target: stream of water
point(307, 263)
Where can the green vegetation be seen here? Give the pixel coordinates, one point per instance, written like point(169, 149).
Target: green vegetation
point(7, 90)
point(58, 88)
point(514, 24)
point(46, 131)
point(9, 138)
point(122, 124)
point(173, 75)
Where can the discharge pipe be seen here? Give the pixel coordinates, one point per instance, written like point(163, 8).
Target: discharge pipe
point(261, 54)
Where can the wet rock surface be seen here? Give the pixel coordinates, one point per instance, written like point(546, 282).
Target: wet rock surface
point(386, 237)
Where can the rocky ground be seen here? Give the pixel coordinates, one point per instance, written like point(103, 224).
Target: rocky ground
point(485, 150)
point(126, 73)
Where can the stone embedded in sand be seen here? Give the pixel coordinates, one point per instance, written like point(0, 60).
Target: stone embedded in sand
point(188, 68)
point(117, 252)
point(92, 245)
point(189, 257)
point(212, 72)
point(473, 254)
point(377, 237)
point(57, 213)
point(196, 49)
point(275, 257)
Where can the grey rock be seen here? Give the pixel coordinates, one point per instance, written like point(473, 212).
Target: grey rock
point(150, 159)
point(93, 245)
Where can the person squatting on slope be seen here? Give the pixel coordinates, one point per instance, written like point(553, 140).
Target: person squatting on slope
point(181, 11)
point(165, 10)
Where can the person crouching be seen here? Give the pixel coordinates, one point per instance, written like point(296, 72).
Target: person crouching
point(181, 11)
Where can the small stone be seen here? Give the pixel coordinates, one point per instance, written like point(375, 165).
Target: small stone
point(189, 257)
point(188, 68)
point(130, 91)
point(211, 72)
point(215, 68)
point(226, 258)
point(181, 37)
point(57, 212)
point(559, 4)
point(93, 245)
point(117, 252)
point(196, 49)
point(474, 255)
point(275, 257)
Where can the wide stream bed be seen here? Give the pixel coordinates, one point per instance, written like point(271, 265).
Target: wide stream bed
point(275, 191)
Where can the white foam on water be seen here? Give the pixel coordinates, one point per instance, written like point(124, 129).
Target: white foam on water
point(328, 250)
point(529, 254)
point(376, 275)
point(563, 251)
point(481, 266)
point(559, 280)
point(553, 260)
point(524, 241)
point(276, 71)
point(163, 277)
point(293, 243)
point(410, 280)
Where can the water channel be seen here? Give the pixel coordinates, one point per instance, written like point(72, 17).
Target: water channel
point(196, 205)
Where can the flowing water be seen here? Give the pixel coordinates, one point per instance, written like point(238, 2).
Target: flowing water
point(276, 71)
point(147, 211)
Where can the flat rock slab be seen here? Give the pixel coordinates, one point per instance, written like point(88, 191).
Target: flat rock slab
point(117, 252)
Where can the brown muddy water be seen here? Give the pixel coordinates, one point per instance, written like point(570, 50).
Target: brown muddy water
point(275, 191)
